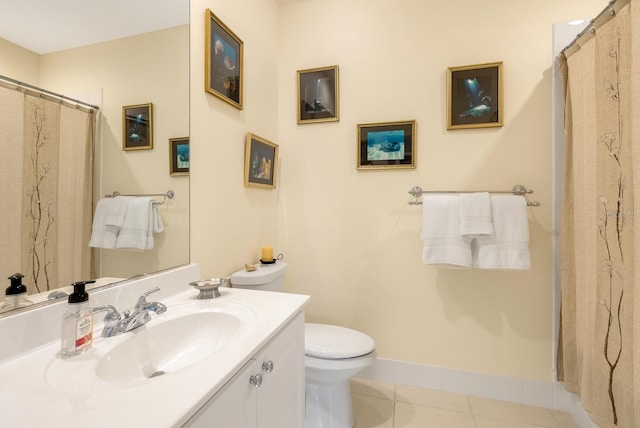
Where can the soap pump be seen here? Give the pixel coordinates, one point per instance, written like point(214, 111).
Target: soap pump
point(15, 294)
point(77, 322)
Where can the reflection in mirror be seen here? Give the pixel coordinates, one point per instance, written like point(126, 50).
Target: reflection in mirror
point(141, 66)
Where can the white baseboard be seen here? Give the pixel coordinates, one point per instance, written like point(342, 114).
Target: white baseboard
point(542, 394)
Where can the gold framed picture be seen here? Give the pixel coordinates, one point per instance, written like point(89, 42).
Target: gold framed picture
point(261, 162)
point(137, 127)
point(318, 95)
point(224, 61)
point(179, 156)
point(474, 96)
point(387, 145)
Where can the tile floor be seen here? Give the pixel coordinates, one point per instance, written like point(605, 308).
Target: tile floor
point(384, 405)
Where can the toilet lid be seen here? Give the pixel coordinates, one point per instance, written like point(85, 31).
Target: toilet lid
point(334, 342)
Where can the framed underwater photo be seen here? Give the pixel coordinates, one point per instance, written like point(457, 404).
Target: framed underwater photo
point(387, 145)
point(137, 127)
point(318, 95)
point(474, 96)
point(179, 156)
point(261, 162)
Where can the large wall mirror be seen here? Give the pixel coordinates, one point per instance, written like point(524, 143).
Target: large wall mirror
point(112, 55)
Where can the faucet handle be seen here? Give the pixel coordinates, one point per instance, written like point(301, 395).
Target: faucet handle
point(143, 298)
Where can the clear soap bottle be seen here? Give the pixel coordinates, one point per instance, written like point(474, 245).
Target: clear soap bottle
point(77, 322)
point(15, 294)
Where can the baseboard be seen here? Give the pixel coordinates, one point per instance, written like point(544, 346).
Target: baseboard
point(542, 394)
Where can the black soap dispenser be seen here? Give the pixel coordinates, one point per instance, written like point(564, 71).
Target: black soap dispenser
point(15, 294)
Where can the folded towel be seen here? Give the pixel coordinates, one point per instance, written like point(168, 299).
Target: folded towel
point(442, 243)
point(117, 210)
point(475, 215)
point(508, 247)
point(139, 224)
point(102, 235)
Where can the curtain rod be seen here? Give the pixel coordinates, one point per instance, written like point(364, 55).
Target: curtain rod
point(21, 85)
point(608, 10)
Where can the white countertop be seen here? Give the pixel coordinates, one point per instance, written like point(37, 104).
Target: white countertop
point(40, 389)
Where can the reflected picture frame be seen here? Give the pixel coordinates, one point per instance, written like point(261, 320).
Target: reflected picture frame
point(179, 156)
point(224, 53)
point(318, 95)
point(387, 145)
point(137, 127)
point(475, 96)
point(261, 162)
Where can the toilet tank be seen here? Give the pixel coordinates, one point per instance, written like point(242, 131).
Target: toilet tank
point(267, 277)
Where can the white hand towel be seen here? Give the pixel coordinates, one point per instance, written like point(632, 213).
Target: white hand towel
point(442, 243)
point(475, 215)
point(102, 236)
point(508, 247)
point(117, 210)
point(137, 228)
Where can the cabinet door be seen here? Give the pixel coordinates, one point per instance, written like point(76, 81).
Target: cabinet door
point(233, 406)
point(281, 362)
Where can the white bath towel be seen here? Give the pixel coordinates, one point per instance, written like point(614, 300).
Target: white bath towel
point(442, 243)
point(102, 235)
point(117, 210)
point(140, 222)
point(475, 215)
point(508, 247)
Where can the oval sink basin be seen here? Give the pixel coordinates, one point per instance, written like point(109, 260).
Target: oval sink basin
point(180, 337)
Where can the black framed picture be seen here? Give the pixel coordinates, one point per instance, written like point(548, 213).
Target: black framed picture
point(474, 96)
point(387, 145)
point(179, 156)
point(137, 127)
point(224, 61)
point(318, 95)
point(261, 162)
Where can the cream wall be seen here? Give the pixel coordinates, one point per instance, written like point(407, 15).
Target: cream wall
point(350, 239)
point(152, 67)
point(18, 63)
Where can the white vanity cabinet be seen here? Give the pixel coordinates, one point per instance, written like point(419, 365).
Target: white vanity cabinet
point(267, 392)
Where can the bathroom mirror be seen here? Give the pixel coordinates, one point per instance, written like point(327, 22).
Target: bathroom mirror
point(120, 54)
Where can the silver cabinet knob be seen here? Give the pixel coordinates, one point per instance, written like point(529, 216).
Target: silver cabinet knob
point(255, 380)
point(267, 366)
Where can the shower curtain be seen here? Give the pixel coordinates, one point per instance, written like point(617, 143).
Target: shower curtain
point(599, 354)
point(46, 190)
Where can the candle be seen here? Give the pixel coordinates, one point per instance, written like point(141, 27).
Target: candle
point(267, 254)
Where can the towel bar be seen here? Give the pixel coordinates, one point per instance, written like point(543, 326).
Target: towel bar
point(518, 189)
point(169, 195)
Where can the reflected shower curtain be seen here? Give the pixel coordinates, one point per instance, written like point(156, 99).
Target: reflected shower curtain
point(599, 354)
point(46, 190)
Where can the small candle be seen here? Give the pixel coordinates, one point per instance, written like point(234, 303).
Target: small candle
point(267, 254)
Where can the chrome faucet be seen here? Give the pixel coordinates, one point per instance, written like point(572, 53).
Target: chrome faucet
point(114, 323)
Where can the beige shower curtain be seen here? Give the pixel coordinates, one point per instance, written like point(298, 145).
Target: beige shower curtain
point(599, 358)
point(46, 182)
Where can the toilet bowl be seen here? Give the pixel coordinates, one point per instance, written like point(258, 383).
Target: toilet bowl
point(333, 354)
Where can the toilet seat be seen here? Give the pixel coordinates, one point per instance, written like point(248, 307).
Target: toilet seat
point(333, 342)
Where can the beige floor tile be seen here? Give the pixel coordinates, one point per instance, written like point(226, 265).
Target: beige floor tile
point(409, 415)
point(564, 419)
point(485, 422)
point(373, 388)
point(372, 412)
point(432, 398)
point(512, 412)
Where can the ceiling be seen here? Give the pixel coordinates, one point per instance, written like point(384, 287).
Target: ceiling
point(44, 26)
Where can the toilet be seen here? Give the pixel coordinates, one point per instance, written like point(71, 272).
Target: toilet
point(333, 354)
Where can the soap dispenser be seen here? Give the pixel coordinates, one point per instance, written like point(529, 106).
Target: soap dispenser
point(16, 294)
point(77, 322)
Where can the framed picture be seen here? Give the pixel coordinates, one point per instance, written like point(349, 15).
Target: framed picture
point(179, 156)
point(474, 96)
point(318, 98)
point(261, 162)
point(387, 145)
point(137, 127)
point(223, 63)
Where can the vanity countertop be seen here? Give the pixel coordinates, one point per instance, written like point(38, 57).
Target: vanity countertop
point(40, 389)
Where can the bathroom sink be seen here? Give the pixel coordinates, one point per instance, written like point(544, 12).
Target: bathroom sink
point(181, 337)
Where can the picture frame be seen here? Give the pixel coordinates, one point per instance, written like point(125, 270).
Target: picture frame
point(137, 127)
point(224, 53)
point(318, 95)
point(261, 162)
point(179, 156)
point(475, 96)
point(387, 145)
